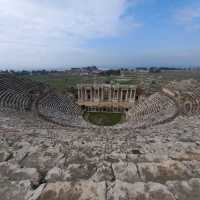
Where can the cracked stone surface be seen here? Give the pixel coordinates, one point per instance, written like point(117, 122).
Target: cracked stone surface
point(40, 161)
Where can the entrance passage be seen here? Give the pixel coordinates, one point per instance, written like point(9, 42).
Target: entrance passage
point(104, 118)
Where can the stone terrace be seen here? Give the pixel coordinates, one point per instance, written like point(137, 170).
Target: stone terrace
point(44, 161)
point(51, 153)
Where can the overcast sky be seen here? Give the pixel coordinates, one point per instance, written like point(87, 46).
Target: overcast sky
point(56, 33)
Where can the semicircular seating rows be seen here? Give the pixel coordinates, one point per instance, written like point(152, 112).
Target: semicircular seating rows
point(26, 95)
point(17, 93)
point(156, 109)
point(61, 109)
point(191, 102)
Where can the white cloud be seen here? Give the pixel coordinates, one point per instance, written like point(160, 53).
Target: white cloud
point(37, 25)
point(189, 17)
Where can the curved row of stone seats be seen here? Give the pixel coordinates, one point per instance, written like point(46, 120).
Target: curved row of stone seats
point(19, 84)
point(24, 94)
point(191, 102)
point(12, 99)
point(16, 101)
point(64, 104)
point(55, 103)
point(17, 93)
point(152, 105)
point(12, 82)
point(196, 96)
point(61, 110)
point(158, 108)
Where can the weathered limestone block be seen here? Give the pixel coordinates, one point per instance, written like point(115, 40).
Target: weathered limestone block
point(80, 171)
point(22, 150)
point(126, 172)
point(139, 190)
point(186, 156)
point(4, 155)
point(83, 190)
point(14, 173)
point(156, 191)
point(42, 159)
point(54, 174)
point(116, 156)
point(164, 171)
point(185, 190)
point(35, 194)
point(194, 167)
point(27, 173)
point(123, 191)
point(74, 172)
point(11, 190)
point(151, 157)
point(104, 172)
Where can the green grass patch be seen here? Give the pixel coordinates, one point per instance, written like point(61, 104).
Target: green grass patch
point(64, 81)
point(104, 118)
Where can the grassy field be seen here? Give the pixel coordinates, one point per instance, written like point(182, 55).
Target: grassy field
point(103, 119)
point(65, 81)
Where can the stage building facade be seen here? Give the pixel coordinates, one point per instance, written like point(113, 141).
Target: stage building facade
point(107, 97)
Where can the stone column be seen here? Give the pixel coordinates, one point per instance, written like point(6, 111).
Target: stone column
point(134, 96)
point(102, 93)
point(131, 94)
point(121, 95)
point(110, 94)
point(127, 95)
point(79, 96)
point(118, 94)
point(99, 93)
point(80, 93)
point(93, 93)
point(91, 97)
point(85, 94)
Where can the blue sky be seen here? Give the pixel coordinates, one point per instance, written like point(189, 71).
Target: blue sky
point(115, 33)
